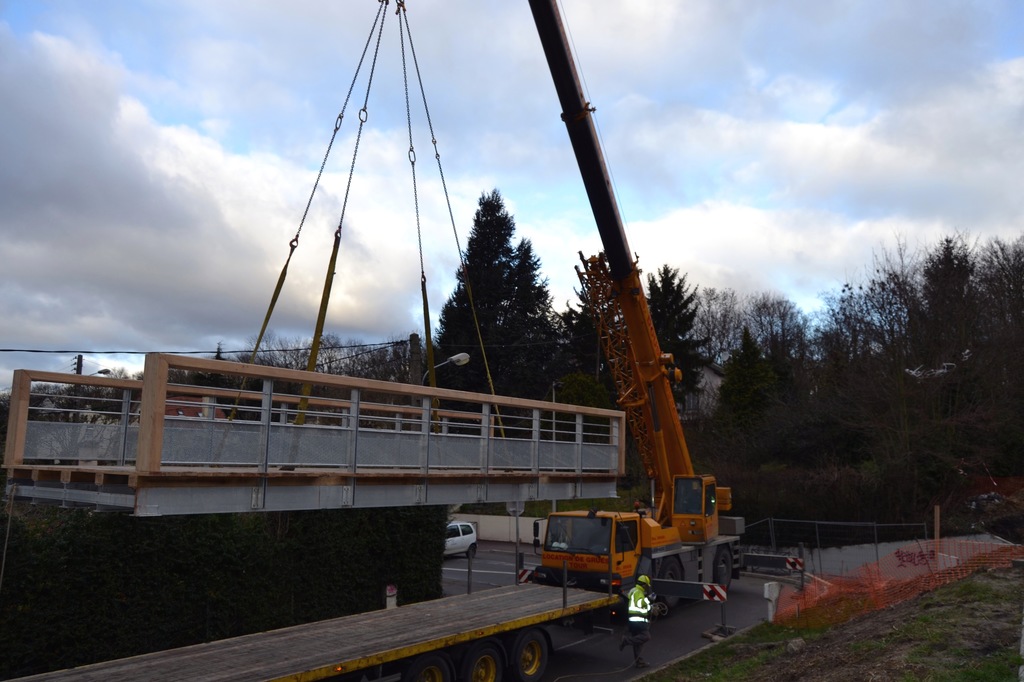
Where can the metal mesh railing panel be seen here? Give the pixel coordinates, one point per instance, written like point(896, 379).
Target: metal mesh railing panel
point(72, 442)
point(311, 446)
point(194, 442)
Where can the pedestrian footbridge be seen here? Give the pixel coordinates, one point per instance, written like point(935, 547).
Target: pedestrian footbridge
point(199, 436)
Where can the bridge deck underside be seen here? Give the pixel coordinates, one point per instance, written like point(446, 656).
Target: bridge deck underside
point(179, 491)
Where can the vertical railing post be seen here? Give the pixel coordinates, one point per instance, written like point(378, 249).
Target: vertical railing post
point(258, 499)
point(425, 427)
point(126, 415)
point(485, 437)
point(535, 447)
point(21, 394)
point(151, 414)
point(266, 418)
point(425, 454)
point(578, 446)
point(355, 397)
point(620, 454)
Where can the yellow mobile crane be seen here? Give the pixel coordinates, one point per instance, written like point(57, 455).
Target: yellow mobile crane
point(683, 538)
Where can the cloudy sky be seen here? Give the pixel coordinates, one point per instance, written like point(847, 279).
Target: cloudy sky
point(156, 156)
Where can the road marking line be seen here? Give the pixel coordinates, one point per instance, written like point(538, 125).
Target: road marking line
point(477, 570)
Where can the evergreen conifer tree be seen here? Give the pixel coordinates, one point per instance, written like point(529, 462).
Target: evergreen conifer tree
point(673, 308)
point(513, 309)
point(748, 386)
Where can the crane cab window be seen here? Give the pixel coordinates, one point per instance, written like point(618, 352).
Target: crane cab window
point(710, 501)
point(689, 495)
point(626, 536)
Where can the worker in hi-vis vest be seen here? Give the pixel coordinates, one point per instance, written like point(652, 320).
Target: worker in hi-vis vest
point(638, 629)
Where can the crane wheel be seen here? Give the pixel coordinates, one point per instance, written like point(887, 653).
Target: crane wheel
point(722, 570)
point(670, 569)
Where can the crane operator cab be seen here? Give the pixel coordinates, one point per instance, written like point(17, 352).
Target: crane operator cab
point(695, 507)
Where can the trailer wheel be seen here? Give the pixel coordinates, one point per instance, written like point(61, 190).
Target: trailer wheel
point(528, 657)
point(428, 668)
point(723, 566)
point(483, 663)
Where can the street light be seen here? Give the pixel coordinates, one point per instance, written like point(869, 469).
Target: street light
point(104, 372)
point(459, 359)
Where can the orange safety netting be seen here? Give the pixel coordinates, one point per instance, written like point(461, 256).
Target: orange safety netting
point(909, 571)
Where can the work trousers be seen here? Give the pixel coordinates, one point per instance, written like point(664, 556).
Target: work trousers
point(638, 633)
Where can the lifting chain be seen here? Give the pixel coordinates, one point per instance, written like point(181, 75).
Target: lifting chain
point(377, 30)
point(294, 243)
point(321, 318)
point(412, 161)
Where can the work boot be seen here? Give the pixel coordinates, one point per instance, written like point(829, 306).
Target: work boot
point(641, 663)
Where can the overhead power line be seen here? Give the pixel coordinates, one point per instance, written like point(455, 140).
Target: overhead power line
point(382, 344)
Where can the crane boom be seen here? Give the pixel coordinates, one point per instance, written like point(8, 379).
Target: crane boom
point(583, 136)
point(644, 388)
point(609, 549)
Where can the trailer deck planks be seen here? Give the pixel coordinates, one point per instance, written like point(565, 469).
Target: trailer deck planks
point(322, 649)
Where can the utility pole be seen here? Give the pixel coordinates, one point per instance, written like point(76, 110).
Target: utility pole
point(78, 364)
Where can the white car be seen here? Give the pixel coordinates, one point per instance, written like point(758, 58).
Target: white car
point(461, 539)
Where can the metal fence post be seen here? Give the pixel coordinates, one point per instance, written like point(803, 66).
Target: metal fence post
point(817, 539)
point(565, 584)
point(803, 566)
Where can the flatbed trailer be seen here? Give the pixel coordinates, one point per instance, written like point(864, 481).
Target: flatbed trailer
point(473, 636)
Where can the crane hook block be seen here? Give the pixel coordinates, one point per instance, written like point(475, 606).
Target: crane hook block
point(668, 368)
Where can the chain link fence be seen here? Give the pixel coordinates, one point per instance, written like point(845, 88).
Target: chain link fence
point(834, 548)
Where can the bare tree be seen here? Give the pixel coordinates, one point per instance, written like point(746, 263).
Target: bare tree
point(1001, 284)
point(719, 323)
point(386, 361)
point(780, 328)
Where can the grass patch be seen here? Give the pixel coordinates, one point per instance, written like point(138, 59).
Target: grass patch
point(968, 631)
point(739, 657)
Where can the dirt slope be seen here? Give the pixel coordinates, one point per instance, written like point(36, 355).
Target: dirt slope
point(969, 630)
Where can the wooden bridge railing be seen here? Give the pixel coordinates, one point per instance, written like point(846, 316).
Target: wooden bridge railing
point(167, 443)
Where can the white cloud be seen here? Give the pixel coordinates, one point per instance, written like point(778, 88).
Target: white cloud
point(167, 151)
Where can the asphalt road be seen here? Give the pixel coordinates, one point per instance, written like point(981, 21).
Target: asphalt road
point(597, 657)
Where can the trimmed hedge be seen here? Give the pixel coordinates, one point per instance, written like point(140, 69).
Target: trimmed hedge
point(81, 587)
